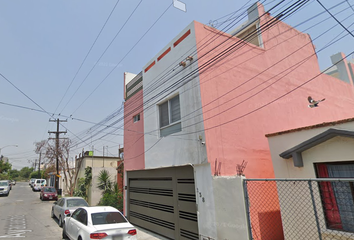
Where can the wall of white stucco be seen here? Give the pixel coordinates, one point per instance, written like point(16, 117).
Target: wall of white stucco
point(95, 193)
point(180, 148)
point(205, 201)
point(295, 199)
point(230, 210)
point(335, 149)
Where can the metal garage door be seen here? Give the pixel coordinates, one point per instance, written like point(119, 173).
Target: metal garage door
point(163, 201)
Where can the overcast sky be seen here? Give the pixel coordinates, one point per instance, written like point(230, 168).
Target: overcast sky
point(44, 43)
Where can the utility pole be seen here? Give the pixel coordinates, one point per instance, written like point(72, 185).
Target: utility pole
point(39, 165)
point(57, 149)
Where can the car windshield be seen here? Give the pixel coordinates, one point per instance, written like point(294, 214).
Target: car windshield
point(3, 184)
point(49, 190)
point(76, 203)
point(107, 218)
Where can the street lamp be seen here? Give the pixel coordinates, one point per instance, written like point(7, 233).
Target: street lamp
point(7, 146)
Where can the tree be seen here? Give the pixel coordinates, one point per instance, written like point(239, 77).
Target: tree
point(111, 195)
point(63, 152)
point(104, 181)
point(14, 173)
point(25, 172)
point(35, 174)
point(83, 184)
point(5, 166)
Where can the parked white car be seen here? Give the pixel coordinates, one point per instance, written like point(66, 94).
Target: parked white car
point(65, 206)
point(5, 187)
point(97, 223)
point(38, 184)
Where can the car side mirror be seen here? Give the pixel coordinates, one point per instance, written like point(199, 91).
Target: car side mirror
point(68, 215)
point(55, 203)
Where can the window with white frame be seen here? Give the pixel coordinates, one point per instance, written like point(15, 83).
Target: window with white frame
point(170, 117)
point(136, 118)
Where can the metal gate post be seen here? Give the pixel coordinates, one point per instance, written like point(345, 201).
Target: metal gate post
point(245, 193)
point(315, 210)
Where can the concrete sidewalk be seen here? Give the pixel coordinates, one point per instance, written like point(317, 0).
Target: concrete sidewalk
point(143, 234)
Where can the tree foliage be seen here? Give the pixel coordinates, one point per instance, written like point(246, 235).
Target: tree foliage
point(111, 195)
point(83, 184)
point(14, 173)
point(4, 166)
point(25, 172)
point(104, 181)
point(80, 190)
point(51, 152)
point(37, 174)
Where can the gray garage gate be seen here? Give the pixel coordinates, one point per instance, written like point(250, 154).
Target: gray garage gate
point(163, 201)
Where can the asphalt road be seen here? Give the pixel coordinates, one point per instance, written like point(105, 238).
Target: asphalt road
point(24, 216)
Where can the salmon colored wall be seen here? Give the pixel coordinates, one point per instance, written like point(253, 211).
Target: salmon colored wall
point(134, 133)
point(234, 128)
point(235, 120)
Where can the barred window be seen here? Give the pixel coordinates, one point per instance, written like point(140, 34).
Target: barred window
point(337, 197)
point(170, 117)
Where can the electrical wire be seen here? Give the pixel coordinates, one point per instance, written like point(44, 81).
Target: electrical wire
point(335, 18)
point(88, 53)
point(325, 70)
point(104, 79)
point(109, 45)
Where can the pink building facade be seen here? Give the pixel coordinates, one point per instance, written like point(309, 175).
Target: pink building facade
point(194, 113)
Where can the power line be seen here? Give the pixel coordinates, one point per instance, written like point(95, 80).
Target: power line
point(93, 44)
point(217, 57)
point(316, 76)
point(335, 19)
point(122, 59)
point(294, 5)
point(82, 82)
point(239, 43)
point(350, 5)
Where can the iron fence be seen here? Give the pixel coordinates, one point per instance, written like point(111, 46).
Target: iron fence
point(299, 209)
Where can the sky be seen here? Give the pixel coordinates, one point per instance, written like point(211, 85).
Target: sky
point(63, 59)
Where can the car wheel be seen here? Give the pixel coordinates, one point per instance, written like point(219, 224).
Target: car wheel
point(60, 222)
point(52, 214)
point(64, 233)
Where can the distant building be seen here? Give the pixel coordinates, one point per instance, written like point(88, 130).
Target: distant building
point(97, 163)
point(343, 69)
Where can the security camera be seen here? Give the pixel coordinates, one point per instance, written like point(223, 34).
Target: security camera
point(203, 143)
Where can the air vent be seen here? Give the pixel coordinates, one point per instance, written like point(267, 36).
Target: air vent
point(153, 220)
point(152, 191)
point(156, 206)
point(188, 180)
point(188, 216)
point(186, 197)
point(189, 235)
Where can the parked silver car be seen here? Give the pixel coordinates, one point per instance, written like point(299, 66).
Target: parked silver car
point(5, 187)
point(65, 206)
